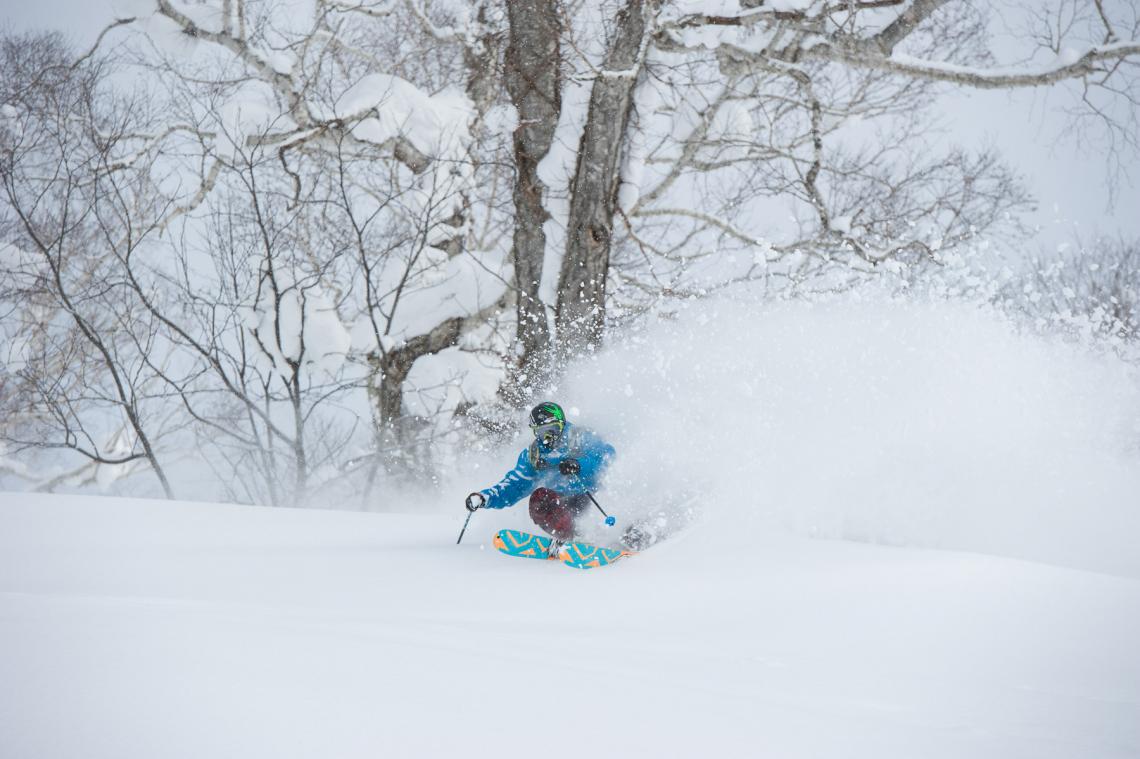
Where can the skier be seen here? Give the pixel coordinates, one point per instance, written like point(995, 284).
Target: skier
point(558, 470)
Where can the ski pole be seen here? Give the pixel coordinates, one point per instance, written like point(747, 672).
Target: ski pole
point(465, 523)
point(470, 511)
point(610, 521)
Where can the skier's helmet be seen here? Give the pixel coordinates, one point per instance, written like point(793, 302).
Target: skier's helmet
point(547, 421)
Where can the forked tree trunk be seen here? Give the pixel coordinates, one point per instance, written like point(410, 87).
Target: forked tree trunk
point(581, 311)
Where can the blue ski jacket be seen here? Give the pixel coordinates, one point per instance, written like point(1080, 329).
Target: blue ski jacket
point(538, 468)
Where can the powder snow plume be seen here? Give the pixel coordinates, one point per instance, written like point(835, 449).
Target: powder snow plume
point(929, 424)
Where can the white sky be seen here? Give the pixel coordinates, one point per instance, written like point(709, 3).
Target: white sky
point(1070, 186)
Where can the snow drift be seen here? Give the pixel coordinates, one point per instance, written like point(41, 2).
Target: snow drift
point(932, 424)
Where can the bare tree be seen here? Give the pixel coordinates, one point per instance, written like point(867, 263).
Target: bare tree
point(249, 312)
point(83, 366)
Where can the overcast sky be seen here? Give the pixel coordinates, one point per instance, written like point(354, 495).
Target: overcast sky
point(1070, 186)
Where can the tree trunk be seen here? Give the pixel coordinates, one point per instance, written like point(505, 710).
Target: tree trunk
point(581, 312)
point(533, 80)
point(388, 393)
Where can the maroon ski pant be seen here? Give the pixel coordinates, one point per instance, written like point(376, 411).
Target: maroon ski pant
point(556, 513)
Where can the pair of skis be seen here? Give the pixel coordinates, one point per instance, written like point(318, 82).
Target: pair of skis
point(577, 555)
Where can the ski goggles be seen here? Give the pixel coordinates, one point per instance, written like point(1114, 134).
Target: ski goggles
point(548, 434)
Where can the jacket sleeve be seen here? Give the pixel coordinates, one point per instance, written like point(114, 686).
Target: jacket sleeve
point(594, 456)
point(515, 484)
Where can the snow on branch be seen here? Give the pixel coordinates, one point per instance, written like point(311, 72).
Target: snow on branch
point(783, 11)
point(814, 41)
point(804, 15)
point(280, 81)
point(1070, 65)
point(410, 141)
point(907, 21)
point(204, 189)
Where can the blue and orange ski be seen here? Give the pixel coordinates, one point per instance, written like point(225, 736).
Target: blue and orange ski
point(585, 556)
point(577, 555)
point(516, 543)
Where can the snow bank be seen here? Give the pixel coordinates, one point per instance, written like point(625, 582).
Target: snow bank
point(898, 422)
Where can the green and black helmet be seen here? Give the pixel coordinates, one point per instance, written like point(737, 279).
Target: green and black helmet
point(547, 421)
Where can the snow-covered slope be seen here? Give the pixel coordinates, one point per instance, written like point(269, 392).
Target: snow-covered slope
point(155, 629)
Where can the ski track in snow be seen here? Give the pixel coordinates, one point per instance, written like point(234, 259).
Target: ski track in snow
point(145, 628)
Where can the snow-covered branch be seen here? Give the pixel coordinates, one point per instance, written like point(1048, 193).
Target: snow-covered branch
point(1070, 65)
point(282, 83)
point(785, 12)
point(310, 122)
point(815, 41)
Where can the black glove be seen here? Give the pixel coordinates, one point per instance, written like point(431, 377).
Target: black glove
point(569, 467)
point(476, 501)
point(536, 459)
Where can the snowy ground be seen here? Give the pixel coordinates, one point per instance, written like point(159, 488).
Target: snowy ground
point(147, 629)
